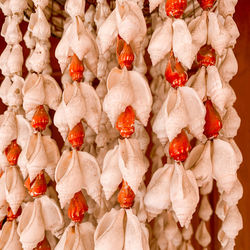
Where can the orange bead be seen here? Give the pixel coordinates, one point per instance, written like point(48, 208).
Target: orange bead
point(179, 147)
point(124, 53)
point(125, 122)
point(76, 69)
point(12, 153)
point(175, 74)
point(40, 119)
point(77, 207)
point(126, 196)
point(213, 121)
point(38, 185)
point(206, 4)
point(11, 216)
point(76, 136)
point(206, 56)
point(175, 8)
point(43, 245)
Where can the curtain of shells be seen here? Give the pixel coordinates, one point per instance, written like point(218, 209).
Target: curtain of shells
point(92, 194)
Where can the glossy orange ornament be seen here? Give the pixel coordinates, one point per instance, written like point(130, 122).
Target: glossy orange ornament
point(175, 8)
point(77, 207)
point(126, 196)
point(76, 136)
point(125, 54)
point(11, 216)
point(213, 121)
point(206, 4)
point(43, 245)
point(206, 56)
point(12, 153)
point(40, 119)
point(76, 69)
point(179, 147)
point(38, 186)
point(125, 122)
point(175, 74)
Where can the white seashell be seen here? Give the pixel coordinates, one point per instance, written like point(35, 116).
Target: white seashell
point(136, 234)
point(232, 29)
point(227, 7)
point(93, 106)
point(39, 25)
point(182, 42)
point(9, 238)
point(187, 232)
point(91, 61)
point(157, 197)
point(107, 33)
point(221, 209)
point(8, 129)
point(139, 207)
point(3, 59)
point(236, 149)
point(11, 31)
point(218, 36)
point(229, 67)
point(15, 59)
point(3, 203)
point(14, 188)
point(41, 3)
point(235, 194)
point(222, 237)
point(199, 161)
point(109, 233)
point(202, 235)
point(233, 222)
point(30, 42)
point(205, 210)
point(4, 88)
point(52, 215)
point(75, 8)
point(31, 227)
point(101, 14)
point(224, 164)
point(184, 194)
point(161, 42)
point(139, 64)
point(132, 162)
point(111, 176)
point(3, 162)
point(230, 123)
point(153, 4)
point(18, 6)
point(230, 245)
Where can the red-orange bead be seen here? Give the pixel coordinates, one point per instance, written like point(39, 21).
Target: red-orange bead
point(179, 147)
point(213, 121)
point(76, 69)
point(40, 119)
point(175, 74)
point(38, 185)
point(124, 53)
point(206, 56)
point(206, 4)
point(43, 245)
point(125, 122)
point(11, 216)
point(175, 8)
point(126, 196)
point(77, 207)
point(76, 136)
point(12, 153)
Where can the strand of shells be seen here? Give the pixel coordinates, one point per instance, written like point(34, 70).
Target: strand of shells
point(12, 128)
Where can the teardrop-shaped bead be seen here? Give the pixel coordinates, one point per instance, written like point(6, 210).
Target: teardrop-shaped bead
point(125, 122)
point(76, 136)
point(124, 53)
point(206, 56)
point(12, 153)
point(175, 74)
point(206, 4)
point(77, 207)
point(43, 245)
point(179, 147)
point(175, 8)
point(40, 119)
point(126, 196)
point(76, 69)
point(11, 216)
point(38, 185)
point(213, 121)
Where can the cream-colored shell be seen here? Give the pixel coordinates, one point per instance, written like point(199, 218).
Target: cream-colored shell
point(227, 7)
point(75, 8)
point(205, 210)
point(202, 235)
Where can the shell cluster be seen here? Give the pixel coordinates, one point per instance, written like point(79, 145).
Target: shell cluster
point(92, 194)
